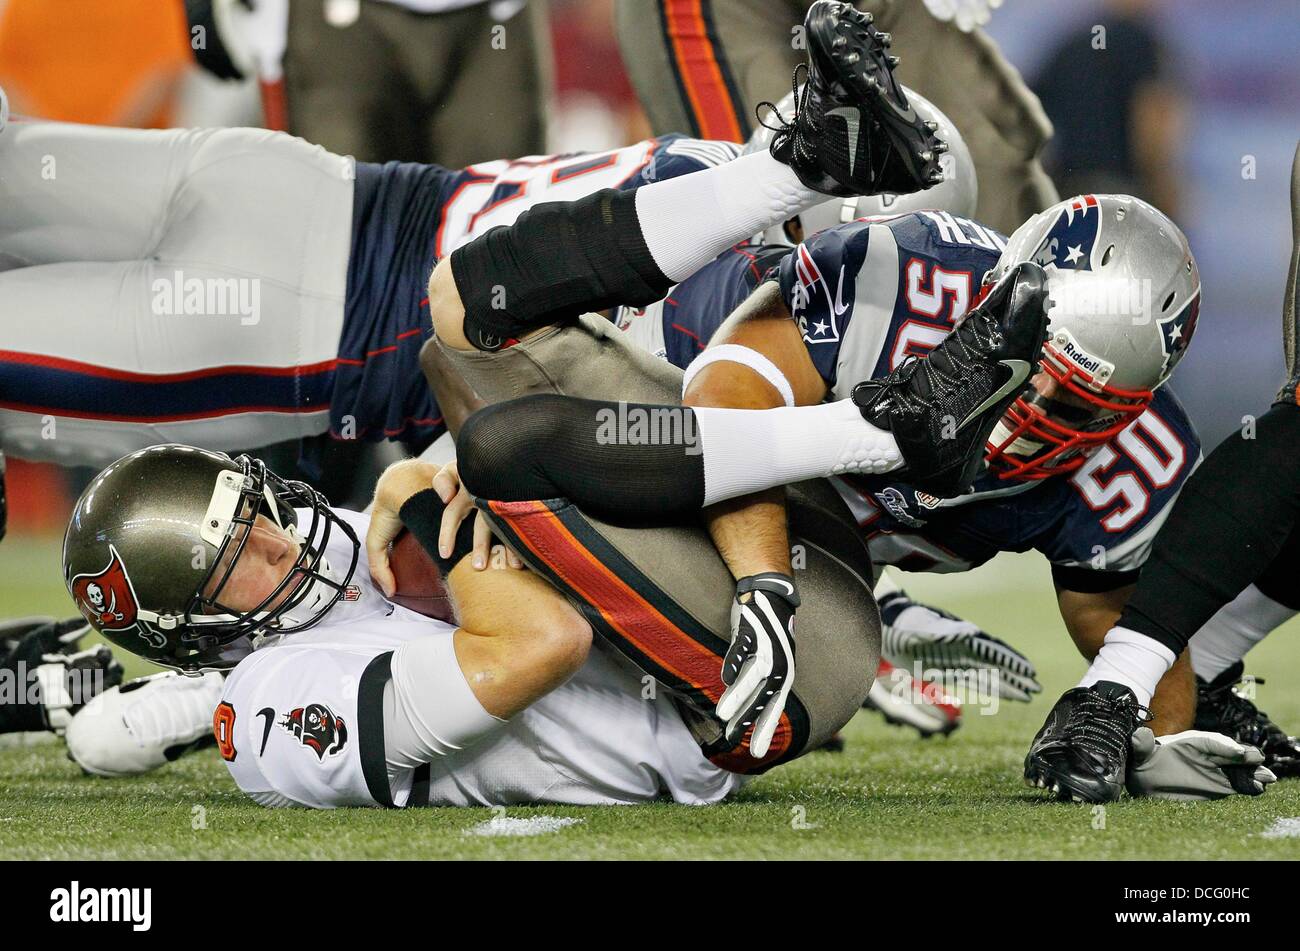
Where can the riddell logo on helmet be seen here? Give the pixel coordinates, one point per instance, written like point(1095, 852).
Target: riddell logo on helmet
point(1065, 347)
point(1085, 362)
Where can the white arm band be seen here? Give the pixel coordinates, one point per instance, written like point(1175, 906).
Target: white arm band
point(735, 353)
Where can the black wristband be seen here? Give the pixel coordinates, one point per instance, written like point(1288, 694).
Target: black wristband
point(422, 516)
point(773, 582)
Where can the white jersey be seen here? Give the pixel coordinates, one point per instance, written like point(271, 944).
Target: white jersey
point(300, 723)
point(490, 194)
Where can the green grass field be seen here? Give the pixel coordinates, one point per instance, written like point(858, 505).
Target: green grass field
point(889, 796)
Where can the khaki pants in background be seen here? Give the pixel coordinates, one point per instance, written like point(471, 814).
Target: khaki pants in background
point(448, 89)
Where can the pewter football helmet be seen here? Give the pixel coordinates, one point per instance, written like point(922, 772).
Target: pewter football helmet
point(155, 537)
point(957, 193)
point(1126, 295)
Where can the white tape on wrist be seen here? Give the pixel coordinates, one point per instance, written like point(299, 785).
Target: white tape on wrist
point(735, 353)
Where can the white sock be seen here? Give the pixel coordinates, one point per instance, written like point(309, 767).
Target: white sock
point(689, 220)
point(748, 450)
point(1132, 659)
point(1237, 627)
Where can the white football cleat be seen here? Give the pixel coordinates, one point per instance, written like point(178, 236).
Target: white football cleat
point(144, 724)
point(905, 701)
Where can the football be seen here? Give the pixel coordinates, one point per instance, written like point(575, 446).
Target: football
point(419, 583)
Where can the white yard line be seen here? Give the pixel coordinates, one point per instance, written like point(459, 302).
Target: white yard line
point(1283, 829)
point(507, 826)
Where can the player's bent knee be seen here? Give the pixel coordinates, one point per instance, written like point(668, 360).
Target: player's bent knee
point(500, 449)
point(446, 309)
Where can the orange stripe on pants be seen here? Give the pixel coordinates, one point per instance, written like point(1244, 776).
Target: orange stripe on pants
point(631, 617)
point(701, 74)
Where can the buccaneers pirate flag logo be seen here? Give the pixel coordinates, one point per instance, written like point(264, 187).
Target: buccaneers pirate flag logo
point(317, 728)
point(106, 597)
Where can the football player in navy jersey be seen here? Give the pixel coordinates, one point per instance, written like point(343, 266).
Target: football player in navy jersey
point(1085, 464)
point(678, 328)
point(1220, 579)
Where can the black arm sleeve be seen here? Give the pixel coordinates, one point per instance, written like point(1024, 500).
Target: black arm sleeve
point(1233, 519)
point(422, 516)
point(1091, 581)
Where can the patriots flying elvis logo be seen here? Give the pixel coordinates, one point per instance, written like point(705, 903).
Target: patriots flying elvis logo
point(1176, 330)
point(821, 328)
point(1068, 245)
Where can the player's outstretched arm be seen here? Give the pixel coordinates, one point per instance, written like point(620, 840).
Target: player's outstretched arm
point(756, 360)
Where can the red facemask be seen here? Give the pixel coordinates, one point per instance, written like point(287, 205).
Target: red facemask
point(1065, 442)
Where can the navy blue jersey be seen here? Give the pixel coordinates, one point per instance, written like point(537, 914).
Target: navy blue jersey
point(406, 216)
point(1100, 518)
point(678, 327)
point(869, 294)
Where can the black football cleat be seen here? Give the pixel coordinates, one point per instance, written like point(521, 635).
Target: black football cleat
point(942, 407)
point(1081, 752)
point(1221, 708)
point(854, 131)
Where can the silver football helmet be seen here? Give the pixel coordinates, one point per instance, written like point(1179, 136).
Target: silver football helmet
point(957, 193)
point(1126, 296)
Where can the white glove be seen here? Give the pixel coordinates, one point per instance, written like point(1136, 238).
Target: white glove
point(1194, 765)
point(918, 635)
point(759, 667)
point(968, 13)
point(144, 724)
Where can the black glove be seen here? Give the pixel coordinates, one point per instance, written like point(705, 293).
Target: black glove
point(53, 678)
point(759, 667)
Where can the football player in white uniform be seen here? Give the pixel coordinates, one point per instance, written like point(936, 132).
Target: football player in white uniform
point(349, 698)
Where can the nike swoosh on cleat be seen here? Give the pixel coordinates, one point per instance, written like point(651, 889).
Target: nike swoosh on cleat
point(1019, 373)
point(853, 119)
point(907, 116)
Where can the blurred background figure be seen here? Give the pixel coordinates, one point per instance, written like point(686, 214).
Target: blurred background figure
point(448, 82)
point(701, 66)
point(594, 106)
point(1113, 95)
